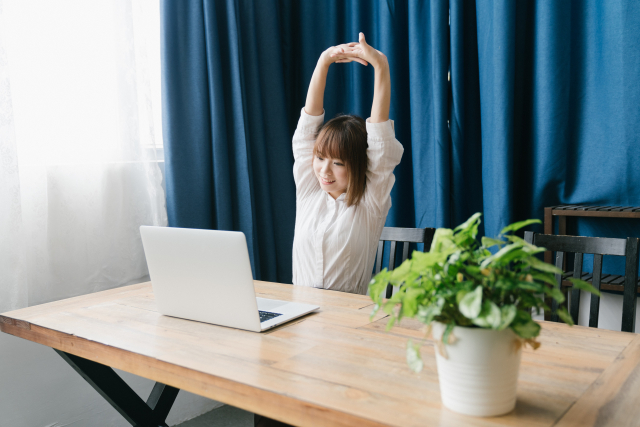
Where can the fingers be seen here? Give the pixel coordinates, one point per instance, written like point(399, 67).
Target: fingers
point(345, 60)
point(361, 61)
point(345, 45)
point(348, 54)
point(362, 39)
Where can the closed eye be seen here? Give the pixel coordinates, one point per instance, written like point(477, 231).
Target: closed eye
point(338, 164)
point(319, 158)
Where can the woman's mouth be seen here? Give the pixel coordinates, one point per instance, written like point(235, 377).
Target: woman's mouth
point(326, 181)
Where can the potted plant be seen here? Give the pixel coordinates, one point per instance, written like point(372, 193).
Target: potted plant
point(476, 298)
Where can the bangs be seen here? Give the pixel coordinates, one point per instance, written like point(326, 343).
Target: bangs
point(344, 138)
point(329, 144)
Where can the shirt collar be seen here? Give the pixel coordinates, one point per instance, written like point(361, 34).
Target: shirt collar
point(331, 201)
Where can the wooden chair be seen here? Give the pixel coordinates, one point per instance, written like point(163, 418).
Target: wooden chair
point(598, 246)
point(405, 236)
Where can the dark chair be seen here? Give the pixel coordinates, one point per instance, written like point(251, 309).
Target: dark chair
point(405, 236)
point(598, 246)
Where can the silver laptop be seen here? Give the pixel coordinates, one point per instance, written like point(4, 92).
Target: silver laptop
point(205, 275)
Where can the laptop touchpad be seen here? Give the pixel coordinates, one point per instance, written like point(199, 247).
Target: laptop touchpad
point(270, 304)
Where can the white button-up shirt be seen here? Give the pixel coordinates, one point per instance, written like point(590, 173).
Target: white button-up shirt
point(334, 245)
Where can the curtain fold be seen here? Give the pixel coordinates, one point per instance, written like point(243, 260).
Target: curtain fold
point(542, 109)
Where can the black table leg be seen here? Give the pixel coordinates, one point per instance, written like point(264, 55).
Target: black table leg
point(153, 413)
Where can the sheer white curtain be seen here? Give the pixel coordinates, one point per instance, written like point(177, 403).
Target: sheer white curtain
point(79, 132)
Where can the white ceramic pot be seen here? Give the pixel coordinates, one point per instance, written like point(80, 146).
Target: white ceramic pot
point(480, 375)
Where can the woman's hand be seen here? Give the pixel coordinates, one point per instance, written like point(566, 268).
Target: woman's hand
point(360, 51)
point(346, 52)
point(351, 52)
point(315, 94)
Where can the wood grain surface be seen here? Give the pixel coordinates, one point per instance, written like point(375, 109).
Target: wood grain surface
point(335, 367)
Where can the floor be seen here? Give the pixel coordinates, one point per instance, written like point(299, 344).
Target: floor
point(224, 416)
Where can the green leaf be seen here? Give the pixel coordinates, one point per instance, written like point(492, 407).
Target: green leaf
point(534, 287)
point(421, 261)
point(516, 255)
point(507, 314)
point(388, 306)
point(472, 270)
point(442, 239)
point(398, 297)
point(516, 239)
point(461, 294)
point(474, 220)
point(565, 316)
point(471, 304)
point(413, 357)
point(410, 301)
point(501, 253)
point(555, 293)
point(487, 242)
point(378, 285)
point(585, 286)
point(544, 277)
point(526, 330)
point(427, 313)
point(391, 322)
point(489, 317)
point(398, 273)
point(518, 225)
point(543, 266)
point(447, 332)
point(376, 307)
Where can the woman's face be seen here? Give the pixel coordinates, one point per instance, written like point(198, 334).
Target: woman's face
point(332, 175)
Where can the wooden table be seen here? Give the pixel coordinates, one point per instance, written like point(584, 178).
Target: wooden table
point(334, 367)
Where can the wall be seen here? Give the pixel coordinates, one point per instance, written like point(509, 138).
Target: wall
point(610, 315)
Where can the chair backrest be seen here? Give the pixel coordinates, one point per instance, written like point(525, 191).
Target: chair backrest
point(405, 236)
point(598, 246)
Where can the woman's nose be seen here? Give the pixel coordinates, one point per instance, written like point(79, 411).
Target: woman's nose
point(326, 168)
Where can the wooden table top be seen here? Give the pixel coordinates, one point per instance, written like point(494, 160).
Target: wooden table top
point(334, 367)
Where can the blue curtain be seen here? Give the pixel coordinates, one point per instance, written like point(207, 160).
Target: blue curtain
point(546, 110)
point(543, 108)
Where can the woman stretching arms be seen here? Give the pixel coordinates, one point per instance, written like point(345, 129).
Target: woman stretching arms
point(343, 172)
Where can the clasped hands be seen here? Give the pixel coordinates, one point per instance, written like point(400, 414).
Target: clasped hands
point(354, 52)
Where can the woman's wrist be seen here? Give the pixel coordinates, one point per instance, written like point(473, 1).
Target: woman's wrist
point(380, 64)
point(324, 62)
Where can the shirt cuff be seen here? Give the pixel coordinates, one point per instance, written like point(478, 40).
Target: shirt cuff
point(309, 123)
point(384, 130)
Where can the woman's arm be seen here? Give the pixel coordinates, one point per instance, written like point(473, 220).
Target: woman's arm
point(381, 94)
point(382, 85)
point(315, 94)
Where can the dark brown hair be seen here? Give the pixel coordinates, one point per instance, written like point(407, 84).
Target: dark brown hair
point(345, 137)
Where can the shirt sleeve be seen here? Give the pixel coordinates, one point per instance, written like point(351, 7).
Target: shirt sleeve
point(384, 153)
point(303, 140)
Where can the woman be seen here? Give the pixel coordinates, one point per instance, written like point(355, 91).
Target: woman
point(343, 172)
point(344, 175)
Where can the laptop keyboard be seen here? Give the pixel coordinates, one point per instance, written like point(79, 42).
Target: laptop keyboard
point(266, 315)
